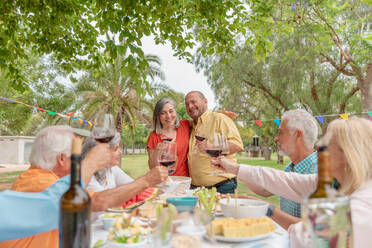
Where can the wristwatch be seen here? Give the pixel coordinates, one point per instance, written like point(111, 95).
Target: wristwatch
point(270, 211)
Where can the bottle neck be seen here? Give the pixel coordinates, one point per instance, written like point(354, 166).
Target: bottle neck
point(75, 169)
point(324, 173)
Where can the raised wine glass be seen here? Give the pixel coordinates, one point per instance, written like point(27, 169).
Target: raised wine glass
point(199, 136)
point(167, 155)
point(104, 128)
point(215, 147)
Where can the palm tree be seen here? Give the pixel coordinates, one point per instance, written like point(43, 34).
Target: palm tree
point(115, 90)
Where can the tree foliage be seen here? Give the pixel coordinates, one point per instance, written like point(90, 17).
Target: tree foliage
point(75, 32)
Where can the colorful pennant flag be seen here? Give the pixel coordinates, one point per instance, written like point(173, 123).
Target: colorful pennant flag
point(344, 116)
point(370, 115)
point(320, 119)
point(75, 117)
point(50, 112)
point(90, 123)
point(85, 122)
point(80, 120)
point(258, 122)
point(72, 113)
point(6, 99)
point(277, 122)
point(39, 108)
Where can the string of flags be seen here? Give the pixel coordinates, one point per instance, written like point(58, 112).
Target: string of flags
point(69, 115)
point(320, 118)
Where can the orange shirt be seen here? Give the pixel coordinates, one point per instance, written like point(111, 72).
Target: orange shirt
point(35, 180)
point(182, 140)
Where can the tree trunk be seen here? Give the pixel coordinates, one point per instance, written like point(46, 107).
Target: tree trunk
point(366, 89)
point(266, 148)
point(280, 159)
point(133, 148)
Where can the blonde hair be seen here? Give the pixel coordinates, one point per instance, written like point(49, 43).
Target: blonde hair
point(354, 137)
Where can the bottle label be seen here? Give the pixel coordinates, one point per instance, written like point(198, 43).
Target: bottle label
point(74, 230)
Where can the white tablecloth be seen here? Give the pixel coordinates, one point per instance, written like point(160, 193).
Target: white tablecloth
point(278, 239)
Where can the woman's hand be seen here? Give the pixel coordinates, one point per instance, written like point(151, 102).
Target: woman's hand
point(230, 114)
point(156, 175)
point(225, 164)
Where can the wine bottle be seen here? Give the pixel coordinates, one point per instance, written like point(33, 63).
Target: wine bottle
point(324, 174)
point(75, 207)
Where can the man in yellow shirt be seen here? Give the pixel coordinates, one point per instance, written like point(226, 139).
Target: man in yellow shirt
point(209, 123)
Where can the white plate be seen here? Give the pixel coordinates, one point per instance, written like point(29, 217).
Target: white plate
point(245, 239)
point(127, 209)
point(121, 245)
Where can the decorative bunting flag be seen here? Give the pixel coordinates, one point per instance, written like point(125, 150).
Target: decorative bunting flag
point(51, 112)
point(344, 116)
point(258, 122)
point(80, 120)
point(6, 99)
point(277, 122)
point(90, 123)
point(370, 115)
point(70, 114)
point(320, 119)
point(75, 117)
point(39, 108)
point(85, 122)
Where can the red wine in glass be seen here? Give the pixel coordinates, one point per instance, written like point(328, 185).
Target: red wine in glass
point(104, 139)
point(168, 164)
point(199, 138)
point(214, 152)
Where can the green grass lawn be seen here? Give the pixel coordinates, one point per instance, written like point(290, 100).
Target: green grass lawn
point(136, 165)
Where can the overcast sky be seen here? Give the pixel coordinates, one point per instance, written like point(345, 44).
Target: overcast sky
point(179, 75)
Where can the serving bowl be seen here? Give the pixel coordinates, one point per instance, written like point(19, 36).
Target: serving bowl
point(184, 183)
point(244, 208)
point(183, 204)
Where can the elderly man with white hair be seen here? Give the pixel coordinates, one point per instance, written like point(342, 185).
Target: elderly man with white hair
point(50, 160)
point(296, 137)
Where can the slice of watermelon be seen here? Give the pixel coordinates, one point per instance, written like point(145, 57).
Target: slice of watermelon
point(146, 195)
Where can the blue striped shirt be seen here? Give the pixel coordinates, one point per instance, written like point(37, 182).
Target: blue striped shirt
point(308, 165)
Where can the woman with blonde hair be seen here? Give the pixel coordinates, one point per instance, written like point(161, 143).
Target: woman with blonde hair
point(350, 147)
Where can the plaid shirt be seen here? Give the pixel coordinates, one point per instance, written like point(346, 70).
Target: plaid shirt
point(309, 165)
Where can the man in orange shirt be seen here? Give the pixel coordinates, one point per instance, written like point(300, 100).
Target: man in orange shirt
point(50, 160)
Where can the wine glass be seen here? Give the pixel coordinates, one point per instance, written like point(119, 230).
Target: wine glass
point(104, 128)
point(203, 218)
point(167, 155)
point(199, 136)
point(215, 147)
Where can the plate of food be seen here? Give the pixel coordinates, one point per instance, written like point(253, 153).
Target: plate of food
point(127, 234)
point(127, 209)
point(241, 230)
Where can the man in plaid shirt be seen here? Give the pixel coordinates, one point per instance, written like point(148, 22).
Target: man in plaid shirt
point(297, 134)
point(296, 137)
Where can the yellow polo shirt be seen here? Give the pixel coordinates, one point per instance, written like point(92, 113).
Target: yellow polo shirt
point(199, 163)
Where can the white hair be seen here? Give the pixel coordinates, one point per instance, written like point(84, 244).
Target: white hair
point(49, 143)
point(299, 119)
